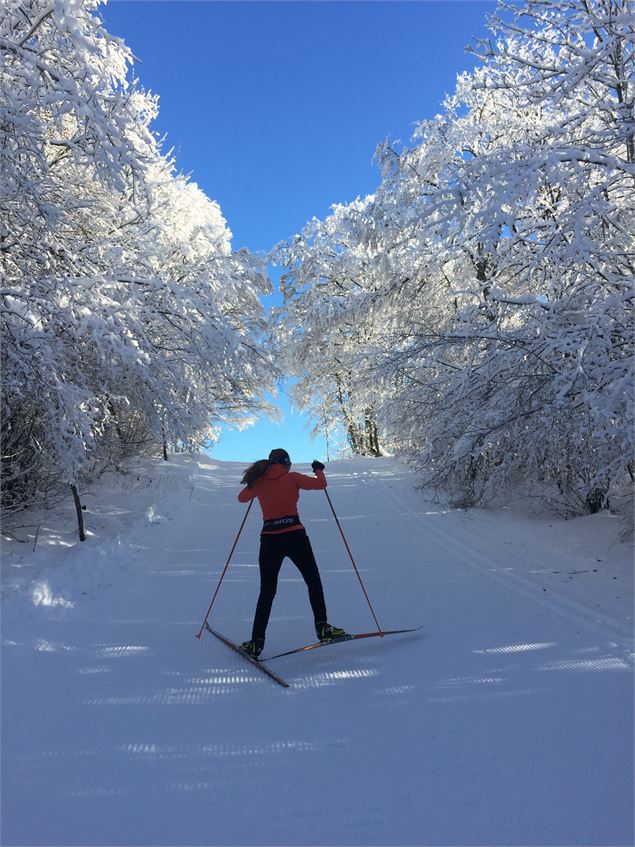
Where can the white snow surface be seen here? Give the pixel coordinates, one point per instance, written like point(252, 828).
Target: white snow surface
point(507, 720)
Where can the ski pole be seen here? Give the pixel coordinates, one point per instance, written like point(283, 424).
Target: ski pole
point(379, 630)
point(231, 553)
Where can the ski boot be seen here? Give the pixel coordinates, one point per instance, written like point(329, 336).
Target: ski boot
point(325, 631)
point(254, 647)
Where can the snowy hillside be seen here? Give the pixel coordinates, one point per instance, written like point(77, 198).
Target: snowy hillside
point(507, 721)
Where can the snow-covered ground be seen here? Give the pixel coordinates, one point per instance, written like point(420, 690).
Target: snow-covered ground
point(509, 720)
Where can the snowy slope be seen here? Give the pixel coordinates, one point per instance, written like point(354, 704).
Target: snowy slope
point(509, 721)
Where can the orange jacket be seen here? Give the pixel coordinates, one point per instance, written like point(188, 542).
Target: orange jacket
point(278, 492)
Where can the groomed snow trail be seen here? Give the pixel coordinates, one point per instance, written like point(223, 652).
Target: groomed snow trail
point(509, 721)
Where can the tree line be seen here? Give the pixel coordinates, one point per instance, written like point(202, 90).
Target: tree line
point(475, 313)
point(128, 321)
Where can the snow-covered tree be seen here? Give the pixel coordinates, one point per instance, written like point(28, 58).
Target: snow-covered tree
point(326, 272)
point(489, 278)
point(126, 317)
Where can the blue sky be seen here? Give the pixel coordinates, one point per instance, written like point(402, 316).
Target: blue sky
point(276, 108)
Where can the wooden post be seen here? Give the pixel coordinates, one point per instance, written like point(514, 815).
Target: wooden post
point(165, 444)
point(80, 516)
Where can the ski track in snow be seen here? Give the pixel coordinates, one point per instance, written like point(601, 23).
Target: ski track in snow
point(472, 557)
point(508, 721)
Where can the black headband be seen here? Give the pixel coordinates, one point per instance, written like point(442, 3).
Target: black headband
point(281, 460)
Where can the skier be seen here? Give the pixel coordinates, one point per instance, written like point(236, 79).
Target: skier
point(277, 490)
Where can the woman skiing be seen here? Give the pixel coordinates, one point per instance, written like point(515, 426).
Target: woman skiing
point(277, 490)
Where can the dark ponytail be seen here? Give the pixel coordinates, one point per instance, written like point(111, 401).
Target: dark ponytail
point(255, 472)
point(259, 469)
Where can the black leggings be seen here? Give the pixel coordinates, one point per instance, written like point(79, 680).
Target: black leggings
point(273, 549)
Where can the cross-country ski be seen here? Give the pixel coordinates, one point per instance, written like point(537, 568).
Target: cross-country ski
point(262, 667)
point(326, 642)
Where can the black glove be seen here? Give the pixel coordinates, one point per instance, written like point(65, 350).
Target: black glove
point(317, 466)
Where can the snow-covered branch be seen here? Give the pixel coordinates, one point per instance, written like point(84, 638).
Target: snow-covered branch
point(126, 316)
point(481, 300)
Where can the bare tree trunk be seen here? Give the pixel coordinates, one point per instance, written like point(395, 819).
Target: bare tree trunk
point(621, 89)
point(596, 500)
point(371, 436)
point(113, 412)
point(80, 514)
point(349, 423)
point(165, 446)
